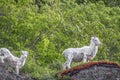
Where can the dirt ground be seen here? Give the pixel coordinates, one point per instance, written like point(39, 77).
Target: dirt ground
point(93, 71)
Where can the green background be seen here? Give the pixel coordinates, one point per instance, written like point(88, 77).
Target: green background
point(46, 27)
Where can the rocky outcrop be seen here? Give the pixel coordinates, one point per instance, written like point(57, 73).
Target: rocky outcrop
point(7, 75)
point(92, 71)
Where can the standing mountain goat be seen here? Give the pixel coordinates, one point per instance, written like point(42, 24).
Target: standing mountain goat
point(15, 62)
point(84, 54)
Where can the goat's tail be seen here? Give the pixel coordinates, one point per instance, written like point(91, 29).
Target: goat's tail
point(1, 53)
point(63, 53)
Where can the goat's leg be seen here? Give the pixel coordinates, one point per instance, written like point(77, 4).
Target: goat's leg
point(88, 59)
point(67, 63)
point(17, 69)
point(64, 66)
point(2, 59)
point(84, 58)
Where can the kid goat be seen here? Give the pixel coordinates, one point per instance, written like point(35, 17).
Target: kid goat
point(15, 62)
point(84, 54)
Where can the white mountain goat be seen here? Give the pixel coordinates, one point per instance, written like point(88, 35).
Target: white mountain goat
point(15, 62)
point(84, 54)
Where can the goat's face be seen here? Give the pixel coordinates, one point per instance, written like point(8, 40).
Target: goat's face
point(24, 54)
point(4, 51)
point(96, 41)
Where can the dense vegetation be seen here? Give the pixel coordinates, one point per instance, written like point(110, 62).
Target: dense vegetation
point(46, 27)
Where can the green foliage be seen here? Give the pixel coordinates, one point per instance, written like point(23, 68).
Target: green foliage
point(46, 28)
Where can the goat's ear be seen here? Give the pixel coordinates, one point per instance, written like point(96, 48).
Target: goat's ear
point(92, 37)
point(21, 52)
point(24, 52)
point(27, 52)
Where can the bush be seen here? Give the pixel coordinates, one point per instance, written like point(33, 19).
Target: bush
point(55, 26)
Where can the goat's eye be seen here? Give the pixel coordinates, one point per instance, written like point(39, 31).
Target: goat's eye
point(95, 40)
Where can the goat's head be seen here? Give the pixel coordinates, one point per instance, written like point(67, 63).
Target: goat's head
point(96, 41)
point(4, 51)
point(24, 54)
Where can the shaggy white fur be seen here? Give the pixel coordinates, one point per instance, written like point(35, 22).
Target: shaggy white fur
point(15, 62)
point(84, 54)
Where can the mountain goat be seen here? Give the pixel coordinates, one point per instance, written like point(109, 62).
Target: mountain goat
point(15, 62)
point(84, 54)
